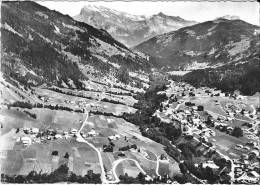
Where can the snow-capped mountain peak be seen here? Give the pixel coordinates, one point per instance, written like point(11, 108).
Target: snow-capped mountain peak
point(130, 29)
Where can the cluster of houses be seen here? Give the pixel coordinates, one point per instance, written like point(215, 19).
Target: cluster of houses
point(247, 171)
point(34, 135)
point(233, 110)
point(193, 123)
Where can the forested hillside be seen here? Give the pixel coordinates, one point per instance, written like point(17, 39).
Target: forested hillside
point(243, 77)
point(40, 45)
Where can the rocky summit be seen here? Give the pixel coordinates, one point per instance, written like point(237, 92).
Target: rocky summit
point(130, 29)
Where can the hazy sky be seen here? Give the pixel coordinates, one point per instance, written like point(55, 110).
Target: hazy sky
point(197, 11)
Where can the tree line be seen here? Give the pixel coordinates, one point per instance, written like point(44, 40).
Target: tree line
point(61, 174)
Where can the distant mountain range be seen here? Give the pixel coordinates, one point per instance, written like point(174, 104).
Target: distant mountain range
point(130, 29)
point(208, 44)
point(39, 45)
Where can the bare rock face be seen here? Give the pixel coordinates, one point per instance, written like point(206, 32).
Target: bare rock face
point(130, 29)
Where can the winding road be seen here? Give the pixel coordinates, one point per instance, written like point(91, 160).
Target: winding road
point(115, 163)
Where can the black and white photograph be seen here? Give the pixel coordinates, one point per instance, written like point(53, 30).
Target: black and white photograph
point(130, 92)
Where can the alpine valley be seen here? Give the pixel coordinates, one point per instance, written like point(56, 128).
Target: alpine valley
point(106, 97)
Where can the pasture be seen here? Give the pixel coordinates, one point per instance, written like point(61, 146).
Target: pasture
point(41, 157)
point(171, 169)
point(148, 166)
point(128, 167)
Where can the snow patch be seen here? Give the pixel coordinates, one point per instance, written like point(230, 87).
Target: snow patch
point(30, 37)
point(32, 72)
point(241, 62)
point(114, 64)
point(195, 65)
point(212, 51)
point(179, 73)
point(140, 76)
point(6, 26)
point(42, 15)
point(73, 58)
point(212, 28)
point(190, 32)
point(256, 32)
point(192, 53)
point(73, 27)
point(57, 30)
point(44, 38)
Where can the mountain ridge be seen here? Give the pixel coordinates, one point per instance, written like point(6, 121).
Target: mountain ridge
point(130, 29)
point(209, 44)
point(46, 46)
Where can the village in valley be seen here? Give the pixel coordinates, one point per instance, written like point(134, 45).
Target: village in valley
point(79, 105)
point(226, 124)
point(91, 136)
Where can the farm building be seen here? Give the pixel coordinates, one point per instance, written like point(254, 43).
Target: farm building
point(117, 136)
point(210, 164)
point(26, 140)
point(57, 136)
point(73, 131)
point(255, 152)
point(254, 174)
point(112, 137)
point(35, 130)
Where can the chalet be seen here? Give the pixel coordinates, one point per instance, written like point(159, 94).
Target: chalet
point(210, 164)
point(50, 131)
point(112, 138)
point(255, 152)
point(239, 146)
point(26, 130)
point(73, 131)
point(18, 139)
point(58, 136)
point(117, 136)
point(121, 155)
point(229, 128)
point(26, 140)
point(35, 130)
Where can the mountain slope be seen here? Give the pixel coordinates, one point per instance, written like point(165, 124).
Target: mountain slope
point(40, 45)
point(212, 43)
point(130, 29)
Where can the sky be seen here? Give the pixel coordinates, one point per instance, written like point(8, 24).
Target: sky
point(195, 11)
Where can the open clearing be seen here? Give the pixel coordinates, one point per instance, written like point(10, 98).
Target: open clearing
point(128, 167)
point(166, 168)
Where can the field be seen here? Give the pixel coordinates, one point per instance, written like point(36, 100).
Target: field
point(151, 155)
point(209, 104)
point(166, 168)
point(39, 157)
point(46, 118)
point(107, 160)
point(148, 166)
point(128, 167)
point(19, 159)
point(226, 143)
